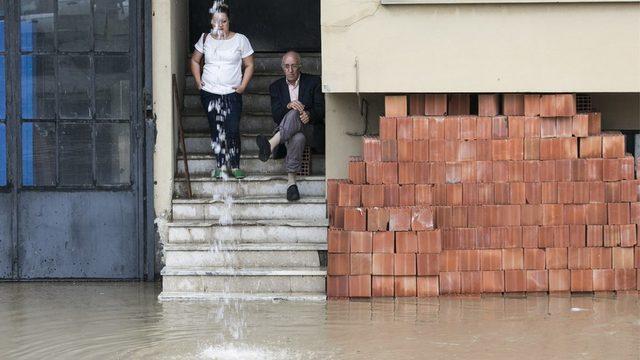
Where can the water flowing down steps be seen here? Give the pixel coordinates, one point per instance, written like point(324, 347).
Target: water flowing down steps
point(256, 246)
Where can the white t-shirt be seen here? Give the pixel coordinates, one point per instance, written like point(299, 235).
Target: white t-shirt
point(223, 62)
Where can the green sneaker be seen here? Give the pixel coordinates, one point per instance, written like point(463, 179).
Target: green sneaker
point(238, 173)
point(216, 174)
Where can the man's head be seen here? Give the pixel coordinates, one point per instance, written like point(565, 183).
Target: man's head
point(291, 66)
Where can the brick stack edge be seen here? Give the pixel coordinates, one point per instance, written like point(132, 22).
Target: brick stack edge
point(536, 199)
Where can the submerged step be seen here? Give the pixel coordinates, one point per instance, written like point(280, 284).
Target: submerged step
point(252, 185)
point(259, 208)
point(225, 296)
point(250, 231)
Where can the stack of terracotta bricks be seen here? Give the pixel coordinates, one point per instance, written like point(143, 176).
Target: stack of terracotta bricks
point(527, 196)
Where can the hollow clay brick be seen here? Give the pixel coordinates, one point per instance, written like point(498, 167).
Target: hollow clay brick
point(356, 170)
point(422, 218)
point(355, 219)
point(532, 104)
point(400, 219)
point(372, 195)
point(454, 194)
point(603, 280)
point(565, 192)
point(618, 213)
point(634, 213)
point(611, 235)
point(596, 214)
point(382, 286)
point(349, 194)
point(513, 104)
point(490, 260)
point(516, 126)
point(360, 286)
point(548, 171)
point(449, 260)
point(559, 280)
point(483, 150)
point(512, 259)
point(428, 264)
point(563, 170)
point(578, 235)
point(483, 127)
point(557, 258)
point(404, 128)
point(360, 264)
point(452, 128)
point(420, 150)
point(360, 241)
point(469, 260)
point(470, 194)
point(389, 150)
point(374, 173)
point(436, 150)
point(389, 173)
point(450, 283)
point(601, 258)
point(391, 197)
point(424, 194)
point(422, 172)
point(382, 264)
point(564, 126)
point(488, 104)
point(420, 128)
point(574, 214)
point(430, 241)
point(579, 258)
point(612, 145)
point(395, 105)
point(388, 128)
point(499, 127)
point(406, 195)
point(337, 241)
point(596, 192)
point(591, 147)
point(531, 215)
point(435, 104)
point(492, 281)
point(612, 192)
point(530, 237)
point(565, 104)
point(548, 105)
point(628, 237)
point(537, 281)
point(579, 170)
point(471, 282)
point(406, 242)
point(516, 171)
point(468, 127)
point(436, 127)
point(337, 287)
point(372, 149)
point(439, 194)
point(580, 125)
point(416, 104)
point(561, 236)
point(623, 258)
point(611, 170)
point(531, 149)
point(581, 280)
point(338, 264)
point(547, 235)
point(515, 280)
point(383, 242)
point(405, 150)
point(595, 123)
point(534, 259)
point(405, 264)
point(517, 193)
point(627, 167)
point(406, 173)
point(377, 219)
point(594, 235)
point(552, 214)
point(548, 127)
point(459, 104)
point(427, 286)
point(336, 217)
point(595, 169)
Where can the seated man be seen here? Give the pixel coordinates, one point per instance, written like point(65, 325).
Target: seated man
point(297, 107)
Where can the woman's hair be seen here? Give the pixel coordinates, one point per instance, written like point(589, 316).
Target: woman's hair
point(220, 8)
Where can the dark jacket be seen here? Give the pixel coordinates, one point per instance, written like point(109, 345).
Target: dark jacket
point(310, 94)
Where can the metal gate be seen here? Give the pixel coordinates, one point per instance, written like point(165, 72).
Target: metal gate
point(71, 140)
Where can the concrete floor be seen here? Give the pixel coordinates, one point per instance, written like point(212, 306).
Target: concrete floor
point(125, 321)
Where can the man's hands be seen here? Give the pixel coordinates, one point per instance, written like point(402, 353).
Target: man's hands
point(296, 105)
point(304, 117)
point(240, 89)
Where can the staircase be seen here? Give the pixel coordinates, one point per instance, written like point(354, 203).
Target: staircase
point(267, 248)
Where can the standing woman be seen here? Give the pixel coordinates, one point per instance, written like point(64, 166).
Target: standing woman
point(221, 84)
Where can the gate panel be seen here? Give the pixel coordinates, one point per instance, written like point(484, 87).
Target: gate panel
point(77, 235)
point(6, 256)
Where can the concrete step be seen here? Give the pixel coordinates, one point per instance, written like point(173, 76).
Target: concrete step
point(244, 255)
point(201, 142)
point(259, 83)
point(270, 63)
point(244, 281)
point(201, 164)
point(252, 185)
point(248, 231)
point(226, 296)
point(250, 102)
point(195, 121)
point(247, 208)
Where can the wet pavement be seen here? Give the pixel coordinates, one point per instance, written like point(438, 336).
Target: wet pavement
point(125, 321)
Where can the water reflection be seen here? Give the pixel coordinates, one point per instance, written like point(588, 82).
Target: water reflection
point(124, 320)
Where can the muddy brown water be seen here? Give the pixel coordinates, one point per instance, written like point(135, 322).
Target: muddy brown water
point(125, 321)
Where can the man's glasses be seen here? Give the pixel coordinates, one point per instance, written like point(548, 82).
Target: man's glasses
point(291, 66)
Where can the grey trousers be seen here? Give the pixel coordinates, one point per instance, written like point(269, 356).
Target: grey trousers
point(294, 134)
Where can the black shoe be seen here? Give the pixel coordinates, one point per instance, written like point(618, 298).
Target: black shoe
point(264, 148)
point(292, 193)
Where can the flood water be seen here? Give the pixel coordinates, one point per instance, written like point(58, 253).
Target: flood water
point(125, 321)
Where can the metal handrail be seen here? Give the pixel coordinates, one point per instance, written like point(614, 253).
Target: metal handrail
point(177, 102)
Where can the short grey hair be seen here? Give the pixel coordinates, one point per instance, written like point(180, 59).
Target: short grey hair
point(294, 54)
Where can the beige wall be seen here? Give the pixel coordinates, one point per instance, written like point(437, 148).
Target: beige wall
point(481, 48)
point(169, 30)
